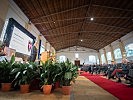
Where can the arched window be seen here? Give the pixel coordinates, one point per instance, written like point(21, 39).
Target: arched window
point(103, 58)
point(92, 59)
point(62, 58)
point(117, 53)
point(76, 55)
point(129, 49)
point(109, 58)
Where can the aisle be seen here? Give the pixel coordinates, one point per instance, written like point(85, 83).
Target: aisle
point(84, 89)
point(119, 90)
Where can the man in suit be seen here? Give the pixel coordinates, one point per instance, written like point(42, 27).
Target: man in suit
point(33, 53)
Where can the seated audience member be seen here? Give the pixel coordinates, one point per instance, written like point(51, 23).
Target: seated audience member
point(122, 70)
point(130, 75)
point(98, 69)
point(111, 68)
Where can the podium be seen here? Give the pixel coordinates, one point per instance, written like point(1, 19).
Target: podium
point(44, 56)
point(77, 62)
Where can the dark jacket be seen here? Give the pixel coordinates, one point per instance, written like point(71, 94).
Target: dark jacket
point(33, 54)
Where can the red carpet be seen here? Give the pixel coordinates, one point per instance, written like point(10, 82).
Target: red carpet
point(121, 91)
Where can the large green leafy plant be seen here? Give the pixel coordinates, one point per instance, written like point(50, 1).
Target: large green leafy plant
point(24, 73)
point(5, 69)
point(70, 73)
point(50, 72)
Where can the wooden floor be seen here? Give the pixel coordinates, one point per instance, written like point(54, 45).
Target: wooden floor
point(83, 89)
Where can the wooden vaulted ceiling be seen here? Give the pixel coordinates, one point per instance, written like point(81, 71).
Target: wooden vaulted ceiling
point(65, 22)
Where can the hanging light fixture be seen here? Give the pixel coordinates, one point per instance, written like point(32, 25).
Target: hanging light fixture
point(91, 18)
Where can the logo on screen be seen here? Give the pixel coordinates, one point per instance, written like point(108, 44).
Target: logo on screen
point(29, 46)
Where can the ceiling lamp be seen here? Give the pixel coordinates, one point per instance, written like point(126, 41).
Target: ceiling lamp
point(91, 18)
point(81, 40)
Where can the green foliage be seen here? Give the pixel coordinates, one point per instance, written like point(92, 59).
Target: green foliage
point(24, 73)
point(50, 72)
point(69, 73)
point(5, 69)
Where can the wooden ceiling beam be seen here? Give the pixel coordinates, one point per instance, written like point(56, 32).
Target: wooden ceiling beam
point(61, 27)
point(74, 18)
point(105, 36)
point(88, 10)
point(108, 25)
point(63, 43)
point(93, 33)
point(59, 48)
point(128, 10)
point(96, 32)
point(74, 39)
point(65, 40)
point(86, 46)
point(59, 12)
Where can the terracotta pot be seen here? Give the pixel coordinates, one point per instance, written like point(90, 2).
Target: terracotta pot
point(5, 87)
point(24, 88)
point(47, 89)
point(66, 90)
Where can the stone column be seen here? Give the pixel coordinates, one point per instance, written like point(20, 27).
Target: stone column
point(46, 46)
point(122, 48)
point(99, 57)
point(106, 61)
point(112, 53)
point(38, 41)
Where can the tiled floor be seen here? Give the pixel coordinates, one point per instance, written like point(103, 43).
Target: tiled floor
point(83, 89)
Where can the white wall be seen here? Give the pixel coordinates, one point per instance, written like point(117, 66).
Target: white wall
point(83, 54)
point(127, 39)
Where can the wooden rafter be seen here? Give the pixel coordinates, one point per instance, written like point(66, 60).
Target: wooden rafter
point(59, 12)
point(64, 23)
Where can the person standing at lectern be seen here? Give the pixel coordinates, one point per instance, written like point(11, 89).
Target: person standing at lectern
point(33, 53)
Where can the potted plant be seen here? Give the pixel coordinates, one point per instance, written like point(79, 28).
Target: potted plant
point(5, 76)
point(34, 84)
point(50, 71)
point(57, 73)
point(46, 78)
point(70, 73)
point(24, 75)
